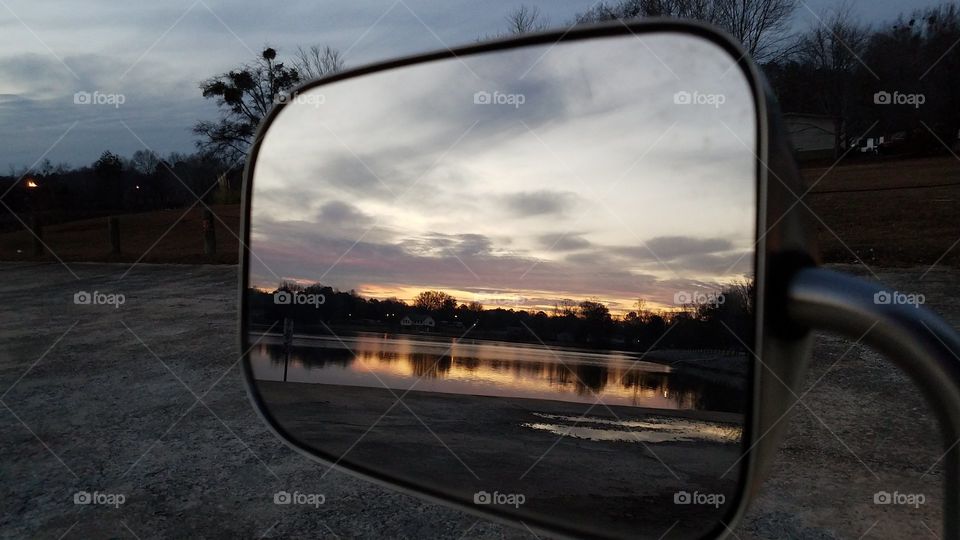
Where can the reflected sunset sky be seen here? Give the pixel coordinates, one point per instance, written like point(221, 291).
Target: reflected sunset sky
point(599, 185)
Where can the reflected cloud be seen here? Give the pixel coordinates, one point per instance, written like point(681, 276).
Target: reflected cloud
point(407, 180)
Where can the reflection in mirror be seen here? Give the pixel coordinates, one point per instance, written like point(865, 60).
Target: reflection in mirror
point(522, 279)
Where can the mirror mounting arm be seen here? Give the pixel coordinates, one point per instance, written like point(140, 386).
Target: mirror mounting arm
point(914, 338)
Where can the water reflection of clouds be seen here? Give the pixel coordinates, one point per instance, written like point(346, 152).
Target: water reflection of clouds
point(563, 210)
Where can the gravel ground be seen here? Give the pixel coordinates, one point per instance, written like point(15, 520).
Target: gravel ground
point(124, 401)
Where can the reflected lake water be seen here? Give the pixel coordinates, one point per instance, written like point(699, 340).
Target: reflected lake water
point(490, 368)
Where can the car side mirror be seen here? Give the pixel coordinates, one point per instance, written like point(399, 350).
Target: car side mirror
point(561, 281)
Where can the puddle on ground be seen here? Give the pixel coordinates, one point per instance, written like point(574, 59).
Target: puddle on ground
point(655, 429)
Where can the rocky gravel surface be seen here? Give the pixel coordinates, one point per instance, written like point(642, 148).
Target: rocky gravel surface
point(145, 401)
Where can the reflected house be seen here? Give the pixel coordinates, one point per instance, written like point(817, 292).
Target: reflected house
point(420, 322)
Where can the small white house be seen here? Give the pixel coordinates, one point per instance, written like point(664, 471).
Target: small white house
point(418, 321)
point(811, 135)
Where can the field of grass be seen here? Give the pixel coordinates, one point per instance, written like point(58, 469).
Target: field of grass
point(883, 212)
point(891, 213)
point(166, 236)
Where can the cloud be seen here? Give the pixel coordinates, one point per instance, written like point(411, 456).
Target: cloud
point(564, 242)
point(440, 245)
point(538, 203)
point(668, 248)
point(342, 214)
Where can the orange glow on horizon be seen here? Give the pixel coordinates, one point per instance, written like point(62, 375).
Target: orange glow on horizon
point(518, 300)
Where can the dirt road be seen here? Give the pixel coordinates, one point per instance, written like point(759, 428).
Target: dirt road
point(143, 399)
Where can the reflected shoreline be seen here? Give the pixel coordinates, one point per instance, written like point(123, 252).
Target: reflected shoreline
point(502, 369)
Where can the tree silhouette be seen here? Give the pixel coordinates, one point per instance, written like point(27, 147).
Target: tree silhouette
point(833, 50)
point(435, 301)
point(245, 95)
point(760, 25)
point(315, 61)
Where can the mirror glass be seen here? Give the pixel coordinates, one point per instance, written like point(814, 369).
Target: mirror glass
point(521, 279)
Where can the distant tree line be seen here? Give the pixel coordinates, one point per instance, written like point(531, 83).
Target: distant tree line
point(147, 181)
point(116, 185)
point(723, 324)
point(838, 68)
point(867, 81)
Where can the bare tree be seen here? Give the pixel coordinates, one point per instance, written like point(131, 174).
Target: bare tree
point(316, 61)
point(244, 96)
point(833, 49)
point(628, 9)
point(525, 19)
point(762, 26)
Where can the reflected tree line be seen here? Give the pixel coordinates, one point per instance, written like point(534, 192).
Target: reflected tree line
point(724, 324)
point(687, 392)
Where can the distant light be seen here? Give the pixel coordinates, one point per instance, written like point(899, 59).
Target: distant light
point(138, 187)
point(31, 183)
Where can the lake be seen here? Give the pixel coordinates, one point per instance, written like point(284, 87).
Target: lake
point(490, 368)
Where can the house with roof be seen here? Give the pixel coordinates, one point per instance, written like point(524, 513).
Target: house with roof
point(811, 135)
point(418, 321)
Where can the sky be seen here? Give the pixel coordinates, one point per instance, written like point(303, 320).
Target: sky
point(612, 169)
point(145, 60)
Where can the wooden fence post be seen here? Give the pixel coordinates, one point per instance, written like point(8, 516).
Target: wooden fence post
point(37, 229)
point(113, 234)
point(209, 233)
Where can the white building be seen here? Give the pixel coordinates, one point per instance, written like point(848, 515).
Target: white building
point(418, 321)
point(811, 135)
